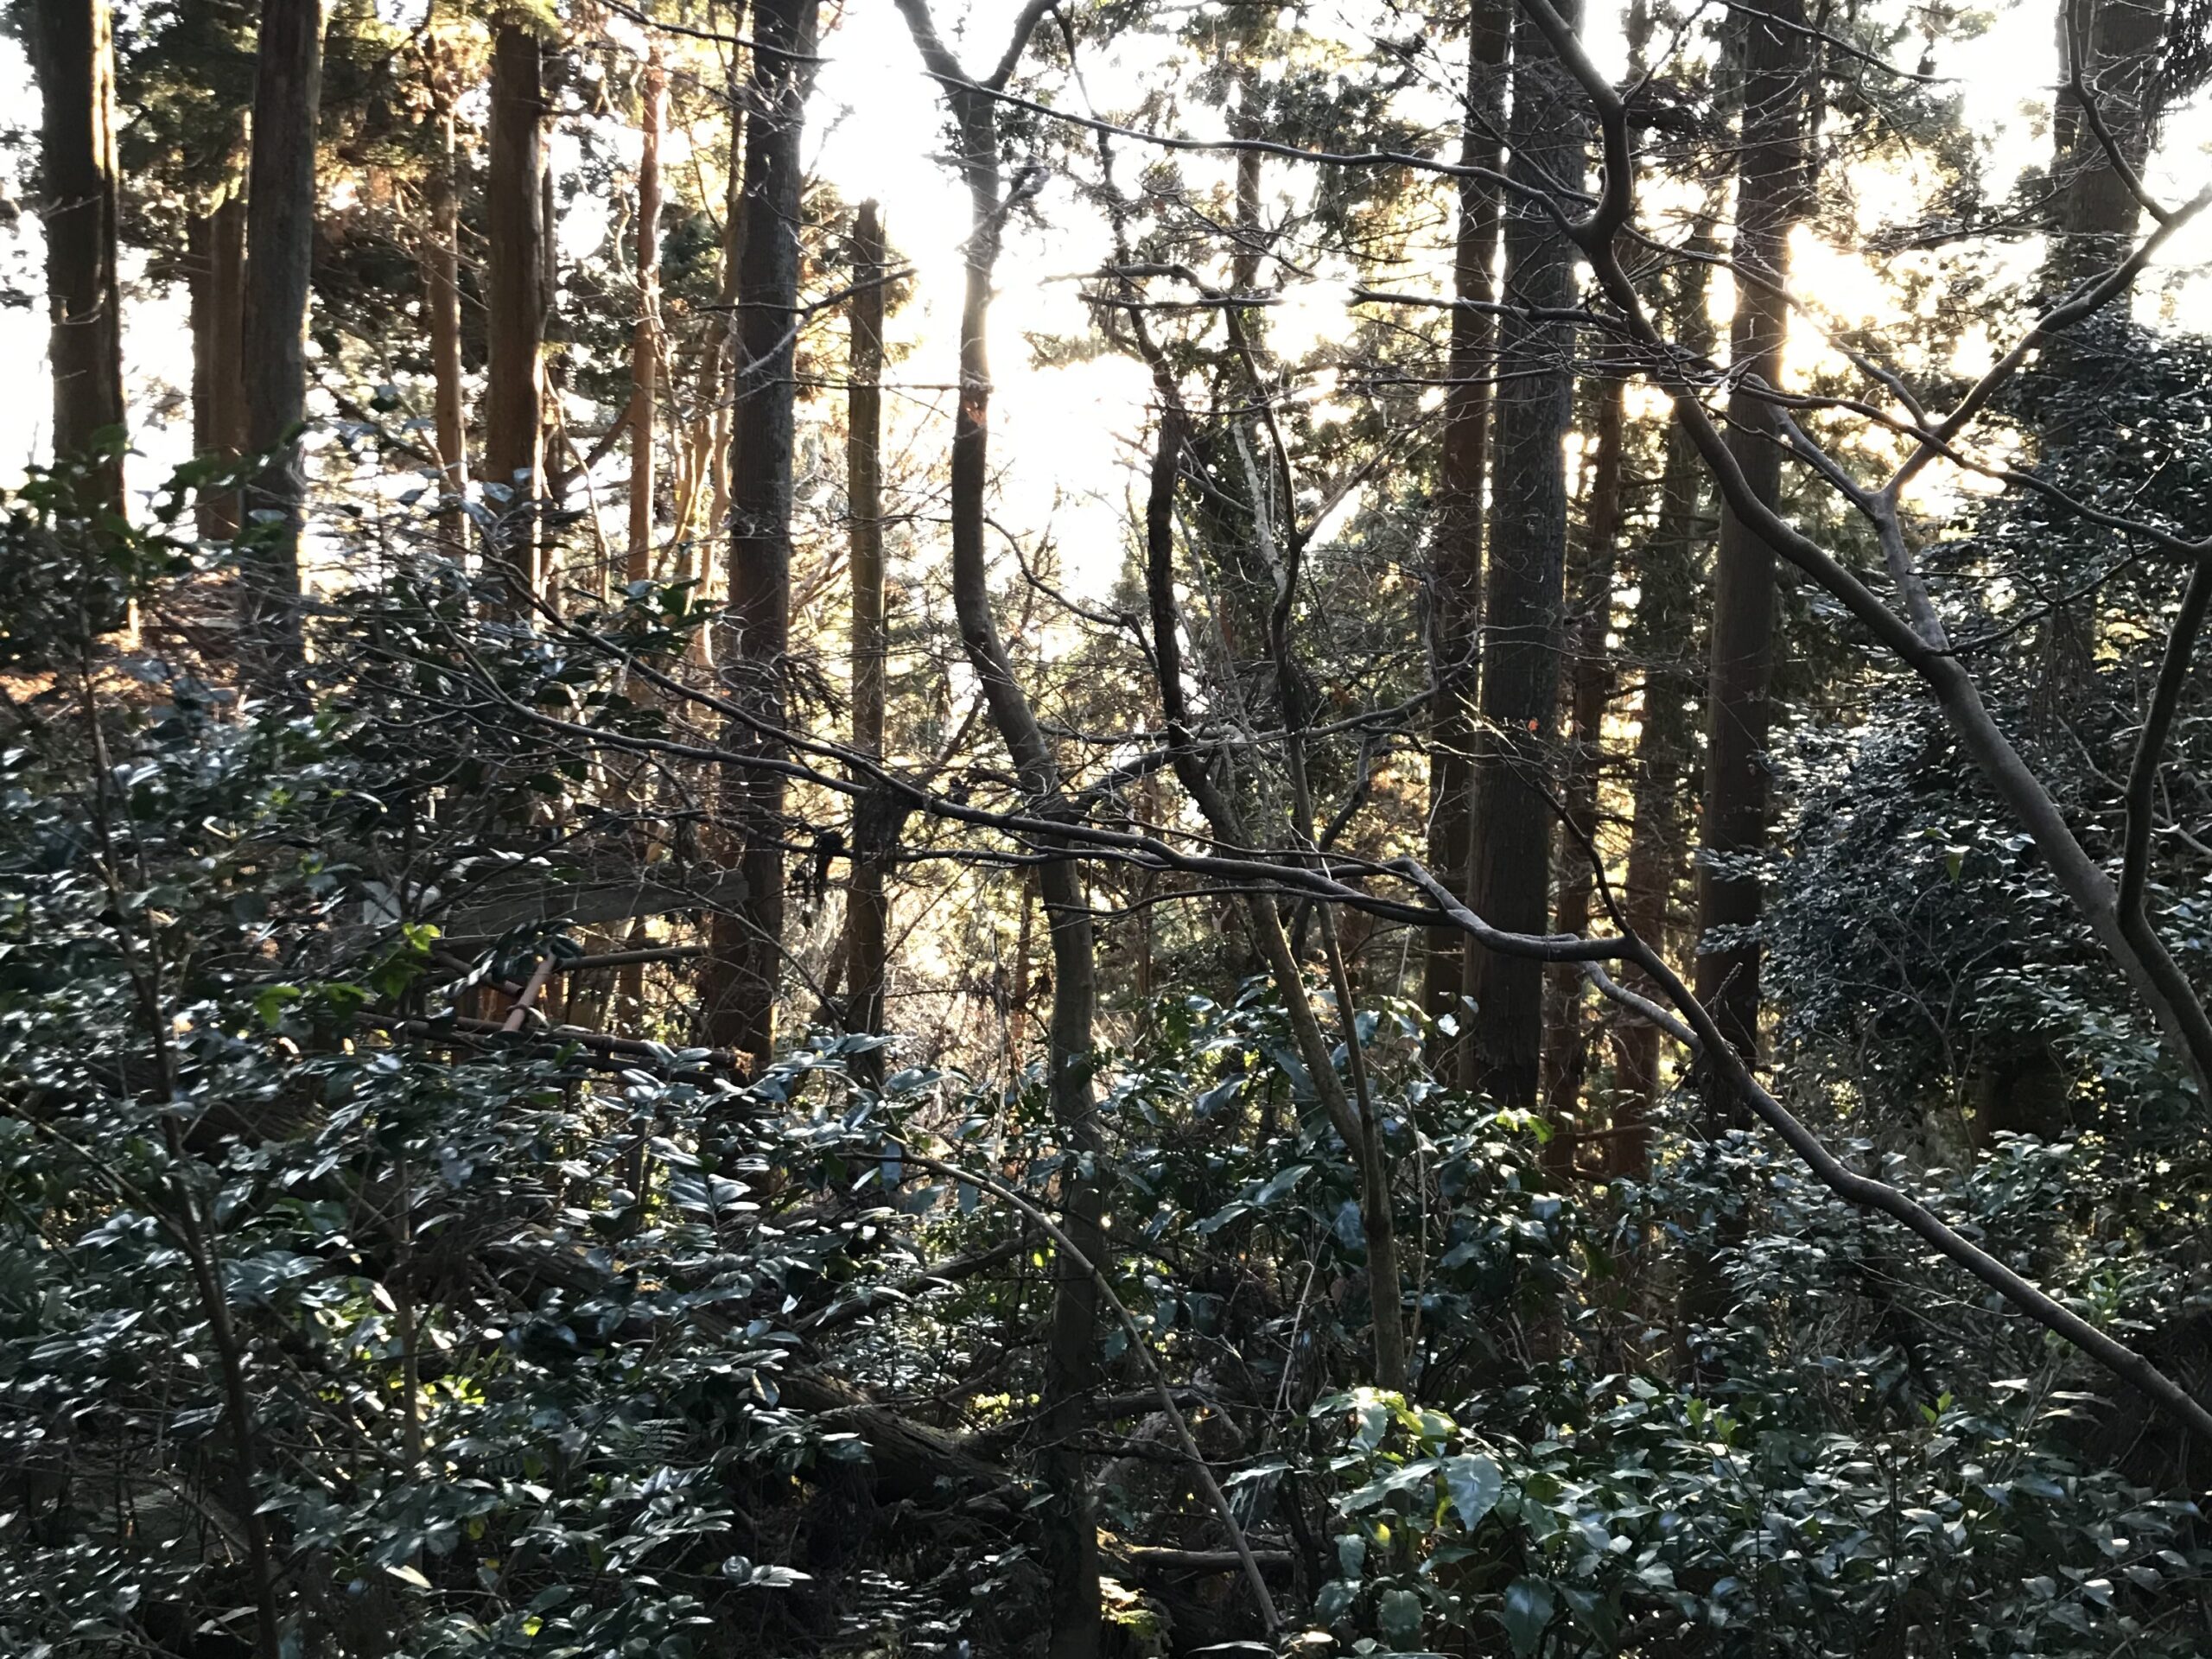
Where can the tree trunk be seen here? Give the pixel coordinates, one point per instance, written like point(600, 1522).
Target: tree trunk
point(1567, 1047)
point(200, 293)
point(1455, 581)
point(549, 243)
point(73, 47)
point(1523, 598)
point(1071, 1535)
point(2096, 217)
point(219, 426)
point(716, 383)
point(1769, 201)
point(514, 300)
point(709, 430)
point(1245, 244)
point(645, 338)
point(740, 985)
point(1355, 1123)
point(1661, 636)
point(279, 264)
point(868, 908)
point(441, 273)
point(1018, 982)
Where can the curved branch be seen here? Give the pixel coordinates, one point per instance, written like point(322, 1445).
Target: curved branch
point(1142, 1349)
point(1872, 1194)
point(2158, 723)
point(2133, 946)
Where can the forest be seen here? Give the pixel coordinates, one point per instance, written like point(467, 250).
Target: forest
point(1105, 829)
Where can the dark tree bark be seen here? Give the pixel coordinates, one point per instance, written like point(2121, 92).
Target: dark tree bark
point(1071, 1535)
point(715, 385)
point(217, 294)
point(1456, 563)
point(868, 907)
point(1661, 636)
point(1566, 1044)
point(280, 263)
point(72, 49)
point(645, 342)
point(740, 985)
point(2115, 44)
point(1523, 600)
point(549, 243)
point(1250, 235)
point(514, 298)
point(442, 288)
point(1594, 678)
point(2112, 44)
point(1770, 190)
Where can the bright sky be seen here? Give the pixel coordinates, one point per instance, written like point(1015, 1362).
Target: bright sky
point(1060, 434)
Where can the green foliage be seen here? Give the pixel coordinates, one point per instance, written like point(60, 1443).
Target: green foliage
point(1648, 1515)
point(1819, 1490)
point(257, 1192)
point(538, 1348)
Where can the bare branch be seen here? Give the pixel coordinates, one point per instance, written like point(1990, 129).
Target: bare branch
point(2150, 746)
point(2131, 942)
point(1142, 1349)
point(2087, 102)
